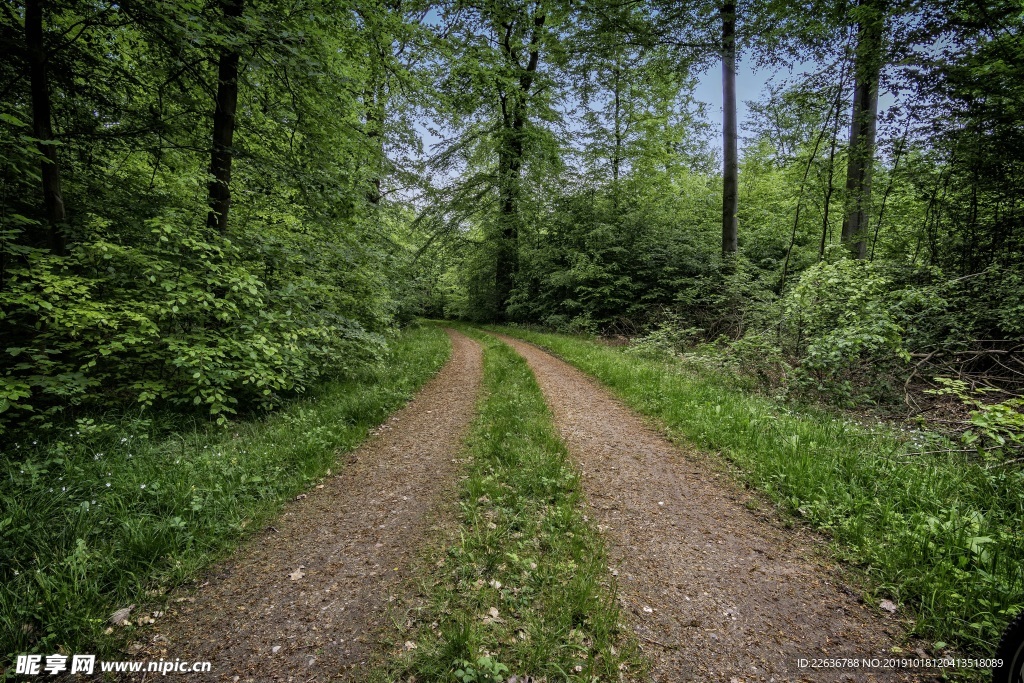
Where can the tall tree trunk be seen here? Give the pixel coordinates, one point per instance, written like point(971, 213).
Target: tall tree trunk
point(730, 178)
point(509, 167)
point(510, 161)
point(617, 154)
point(42, 125)
point(224, 127)
point(863, 126)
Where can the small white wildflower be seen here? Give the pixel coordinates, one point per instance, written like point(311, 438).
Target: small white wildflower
point(143, 486)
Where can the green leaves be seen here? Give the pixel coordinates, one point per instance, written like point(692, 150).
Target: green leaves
point(839, 321)
point(483, 670)
point(147, 307)
point(996, 427)
point(185, 318)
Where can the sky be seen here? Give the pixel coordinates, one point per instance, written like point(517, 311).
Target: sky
point(750, 84)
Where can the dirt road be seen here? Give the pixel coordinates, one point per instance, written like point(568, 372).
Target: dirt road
point(716, 592)
point(304, 599)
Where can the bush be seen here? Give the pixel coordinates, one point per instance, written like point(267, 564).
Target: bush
point(182, 317)
point(670, 337)
point(838, 326)
point(757, 355)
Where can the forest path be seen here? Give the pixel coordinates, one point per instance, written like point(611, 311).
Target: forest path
point(304, 599)
point(714, 591)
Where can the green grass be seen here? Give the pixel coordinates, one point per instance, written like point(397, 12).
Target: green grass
point(114, 515)
point(938, 532)
point(522, 547)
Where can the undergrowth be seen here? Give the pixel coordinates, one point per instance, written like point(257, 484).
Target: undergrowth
point(941, 532)
point(523, 589)
point(112, 514)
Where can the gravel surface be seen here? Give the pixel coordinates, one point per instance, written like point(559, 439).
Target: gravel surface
point(306, 599)
point(714, 590)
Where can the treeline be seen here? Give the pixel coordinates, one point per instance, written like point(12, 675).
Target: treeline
point(842, 248)
point(214, 203)
point(191, 207)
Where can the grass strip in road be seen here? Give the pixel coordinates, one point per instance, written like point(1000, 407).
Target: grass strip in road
point(940, 532)
point(115, 515)
point(524, 587)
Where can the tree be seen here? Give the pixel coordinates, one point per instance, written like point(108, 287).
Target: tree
point(513, 95)
point(150, 101)
point(224, 120)
point(730, 151)
point(42, 124)
point(868, 59)
point(495, 95)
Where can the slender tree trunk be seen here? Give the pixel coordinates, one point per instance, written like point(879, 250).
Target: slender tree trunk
point(42, 125)
point(830, 184)
point(829, 190)
point(617, 155)
point(863, 126)
point(800, 195)
point(892, 179)
point(375, 137)
point(730, 179)
point(224, 128)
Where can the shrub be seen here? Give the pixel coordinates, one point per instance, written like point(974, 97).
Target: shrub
point(838, 326)
point(183, 317)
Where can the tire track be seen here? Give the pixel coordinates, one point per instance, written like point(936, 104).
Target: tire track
point(352, 542)
point(715, 592)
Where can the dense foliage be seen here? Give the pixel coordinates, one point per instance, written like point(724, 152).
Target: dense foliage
point(209, 206)
point(619, 203)
point(133, 293)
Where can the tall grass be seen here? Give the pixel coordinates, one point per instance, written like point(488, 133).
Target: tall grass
point(111, 514)
point(940, 532)
point(525, 583)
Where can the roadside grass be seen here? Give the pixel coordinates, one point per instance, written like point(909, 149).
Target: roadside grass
point(938, 532)
point(115, 514)
point(523, 586)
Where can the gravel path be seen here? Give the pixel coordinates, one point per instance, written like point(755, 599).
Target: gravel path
point(714, 591)
point(305, 599)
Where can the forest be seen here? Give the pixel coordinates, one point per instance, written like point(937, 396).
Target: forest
point(225, 225)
